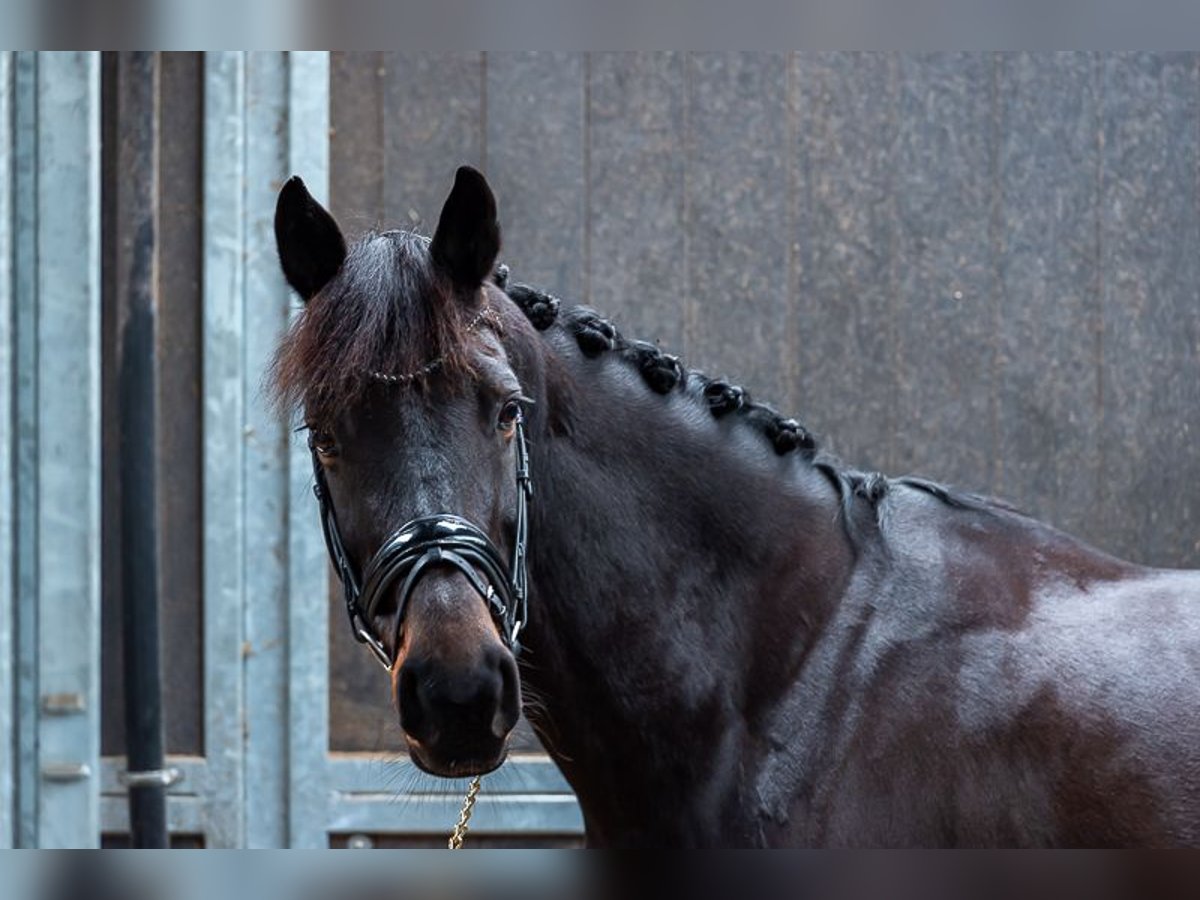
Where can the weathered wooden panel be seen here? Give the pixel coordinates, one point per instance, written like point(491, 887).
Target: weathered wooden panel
point(356, 139)
point(738, 227)
point(432, 123)
point(844, 230)
point(175, 278)
point(969, 265)
point(535, 161)
point(637, 226)
point(180, 504)
point(944, 318)
point(1045, 249)
point(1150, 270)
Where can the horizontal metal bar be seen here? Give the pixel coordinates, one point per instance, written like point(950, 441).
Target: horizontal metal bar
point(63, 704)
point(185, 815)
point(374, 773)
point(494, 814)
point(65, 772)
point(193, 776)
point(151, 778)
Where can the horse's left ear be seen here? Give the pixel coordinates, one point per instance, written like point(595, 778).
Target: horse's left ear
point(310, 244)
point(467, 240)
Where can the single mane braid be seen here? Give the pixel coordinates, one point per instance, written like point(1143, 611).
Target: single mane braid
point(540, 308)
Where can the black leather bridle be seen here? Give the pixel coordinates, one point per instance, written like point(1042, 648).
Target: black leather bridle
point(427, 542)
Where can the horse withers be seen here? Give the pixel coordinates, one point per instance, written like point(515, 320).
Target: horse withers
point(733, 639)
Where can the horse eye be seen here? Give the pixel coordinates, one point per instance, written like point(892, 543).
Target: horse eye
point(322, 442)
point(510, 414)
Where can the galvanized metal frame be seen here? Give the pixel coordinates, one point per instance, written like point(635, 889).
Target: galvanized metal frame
point(265, 539)
point(307, 576)
point(24, 434)
point(224, 402)
point(8, 755)
point(68, 443)
point(50, 459)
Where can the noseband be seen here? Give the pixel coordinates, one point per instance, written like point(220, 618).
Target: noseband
point(426, 543)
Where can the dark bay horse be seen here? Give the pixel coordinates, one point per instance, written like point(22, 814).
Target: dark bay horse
point(735, 640)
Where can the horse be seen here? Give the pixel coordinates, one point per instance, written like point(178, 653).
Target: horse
point(734, 640)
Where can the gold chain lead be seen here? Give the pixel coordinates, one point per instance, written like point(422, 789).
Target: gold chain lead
point(464, 817)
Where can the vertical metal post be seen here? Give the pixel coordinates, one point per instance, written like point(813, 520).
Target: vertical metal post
point(265, 471)
point(279, 682)
point(8, 756)
point(136, 220)
point(307, 577)
point(224, 441)
point(25, 438)
point(65, 518)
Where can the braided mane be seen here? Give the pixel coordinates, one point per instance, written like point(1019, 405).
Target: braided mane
point(664, 373)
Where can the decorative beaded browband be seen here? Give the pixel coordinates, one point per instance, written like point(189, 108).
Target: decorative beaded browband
point(486, 313)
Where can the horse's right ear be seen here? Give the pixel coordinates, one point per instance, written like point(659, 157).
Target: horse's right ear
point(311, 246)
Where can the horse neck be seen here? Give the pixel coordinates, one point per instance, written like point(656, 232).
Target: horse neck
point(679, 569)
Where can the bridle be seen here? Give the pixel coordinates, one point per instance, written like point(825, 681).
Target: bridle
point(428, 542)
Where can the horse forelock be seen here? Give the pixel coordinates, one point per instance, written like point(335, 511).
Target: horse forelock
point(388, 312)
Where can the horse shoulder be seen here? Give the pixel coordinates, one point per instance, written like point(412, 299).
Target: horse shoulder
point(989, 680)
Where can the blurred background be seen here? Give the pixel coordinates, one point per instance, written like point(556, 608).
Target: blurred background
point(982, 268)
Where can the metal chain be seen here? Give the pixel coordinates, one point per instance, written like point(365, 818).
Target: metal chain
point(464, 817)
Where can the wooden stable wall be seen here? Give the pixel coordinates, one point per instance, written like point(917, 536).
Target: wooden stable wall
point(984, 268)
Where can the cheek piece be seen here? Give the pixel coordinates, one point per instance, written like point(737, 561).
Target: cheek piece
point(431, 542)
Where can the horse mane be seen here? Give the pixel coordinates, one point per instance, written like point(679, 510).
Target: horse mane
point(386, 311)
point(664, 373)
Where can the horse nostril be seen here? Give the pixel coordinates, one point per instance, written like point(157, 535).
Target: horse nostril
point(413, 717)
point(509, 707)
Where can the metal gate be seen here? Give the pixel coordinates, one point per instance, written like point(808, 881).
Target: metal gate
point(194, 149)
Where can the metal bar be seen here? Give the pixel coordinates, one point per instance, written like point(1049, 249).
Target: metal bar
point(307, 576)
point(186, 814)
point(25, 437)
point(224, 445)
point(193, 780)
point(136, 205)
point(365, 773)
point(421, 814)
point(8, 755)
point(264, 471)
point(68, 436)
